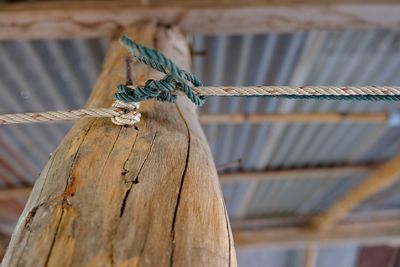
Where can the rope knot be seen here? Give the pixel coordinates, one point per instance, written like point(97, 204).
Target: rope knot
point(162, 90)
point(128, 113)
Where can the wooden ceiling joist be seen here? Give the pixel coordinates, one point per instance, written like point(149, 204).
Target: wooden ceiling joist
point(311, 117)
point(296, 173)
point(371, 233)
point(22, 192)
point(272, 221)
point(102, 18)
point(385, 175)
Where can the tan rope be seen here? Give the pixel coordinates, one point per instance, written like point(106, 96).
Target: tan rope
point(297, 90)
point(128, 114)
point(120, 114)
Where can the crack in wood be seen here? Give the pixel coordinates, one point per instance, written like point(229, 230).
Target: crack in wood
point(29, 217)
point(53, 241)
point(135, 180)
point(123, 204)
point(171, 263)
point(229, 235)
point(124, 172)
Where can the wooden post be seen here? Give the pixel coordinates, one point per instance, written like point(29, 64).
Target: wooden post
point(117, 196)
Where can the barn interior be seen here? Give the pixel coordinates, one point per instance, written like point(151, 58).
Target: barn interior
point(283, 164)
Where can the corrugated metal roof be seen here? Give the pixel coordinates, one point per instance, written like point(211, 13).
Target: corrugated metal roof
point(328, 256)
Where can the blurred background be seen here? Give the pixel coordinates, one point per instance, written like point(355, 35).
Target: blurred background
point(275, 175)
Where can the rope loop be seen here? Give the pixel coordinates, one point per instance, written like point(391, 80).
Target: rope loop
point(162, 90)
point(128, 113)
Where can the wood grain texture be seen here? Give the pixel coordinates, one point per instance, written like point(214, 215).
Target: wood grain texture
point(116, 196)
point(383, 177)
point(102, 18)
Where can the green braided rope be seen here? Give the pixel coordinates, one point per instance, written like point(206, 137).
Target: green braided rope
point(150, 90)
point(158, 61)
point(179, 79)
point(175, 78)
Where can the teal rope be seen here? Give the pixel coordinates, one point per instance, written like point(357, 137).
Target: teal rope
point(179, 79)
point(161, 90)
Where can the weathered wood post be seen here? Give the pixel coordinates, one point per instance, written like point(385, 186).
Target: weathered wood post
point(117, 196)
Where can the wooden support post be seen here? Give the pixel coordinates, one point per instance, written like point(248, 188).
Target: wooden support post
point(117, 196)
point(386, 174)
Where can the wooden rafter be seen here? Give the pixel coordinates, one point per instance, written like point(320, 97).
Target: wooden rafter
point(6, 194)
point(385, 175)
point(301, 220)
point(371, 233)
point(296, 173)
point(312, 117)
point(103, 18)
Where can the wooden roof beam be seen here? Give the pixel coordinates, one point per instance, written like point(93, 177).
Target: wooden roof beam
point(385, 175)
point(368, 233)
point(272, 221)
point(7, 194)
point(310, 117)
point(70, 19)
point(296, 173)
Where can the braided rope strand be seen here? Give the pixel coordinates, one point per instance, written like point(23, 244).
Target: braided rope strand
point(157, 60)
point(391, 93)
point(121, 114)
point(56, 115)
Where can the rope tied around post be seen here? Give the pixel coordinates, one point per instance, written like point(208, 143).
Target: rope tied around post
point(162, 90)
point(128, 113)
